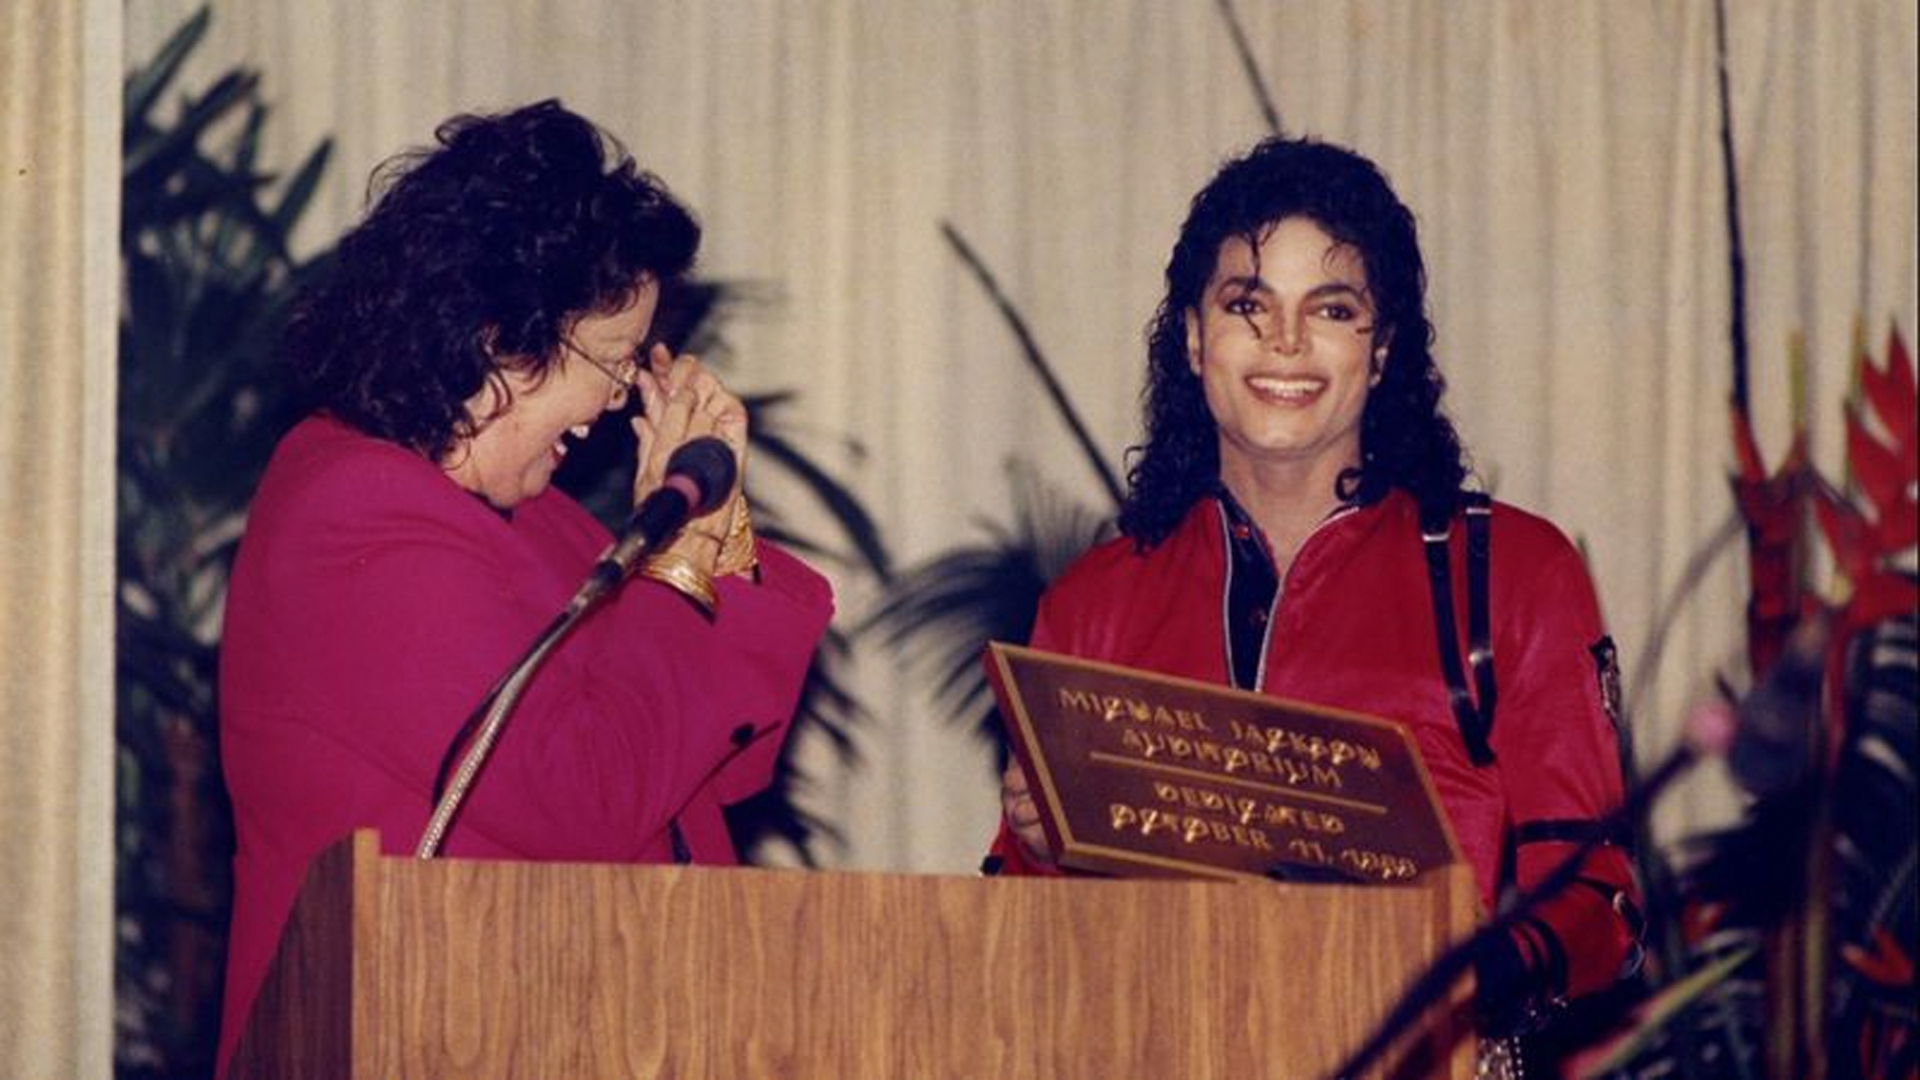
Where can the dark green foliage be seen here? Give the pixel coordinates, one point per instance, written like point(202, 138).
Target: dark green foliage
point(943, 612)
point(208, 277)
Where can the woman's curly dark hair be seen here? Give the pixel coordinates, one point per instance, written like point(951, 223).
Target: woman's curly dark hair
point(1405, 440)
point(483, 247)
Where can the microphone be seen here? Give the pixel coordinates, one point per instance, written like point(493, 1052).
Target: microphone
point(699, 478)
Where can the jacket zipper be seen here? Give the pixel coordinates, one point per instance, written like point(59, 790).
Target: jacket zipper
point(1279, 590)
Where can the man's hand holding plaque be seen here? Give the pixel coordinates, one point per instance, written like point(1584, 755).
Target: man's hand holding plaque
point(1129, 772)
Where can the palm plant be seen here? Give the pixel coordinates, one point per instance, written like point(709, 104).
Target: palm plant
point(943, 612)
point(208, 276)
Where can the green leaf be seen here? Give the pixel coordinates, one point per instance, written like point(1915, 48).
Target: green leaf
point(1658, 1014)
point(299, 191)
point(846, 508)
point(168, 145)
point(145, 84)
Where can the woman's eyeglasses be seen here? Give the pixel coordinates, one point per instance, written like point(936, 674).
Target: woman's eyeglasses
point(623, 372)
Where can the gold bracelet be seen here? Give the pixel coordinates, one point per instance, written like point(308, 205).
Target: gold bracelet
point(679, 573)
point(738, 553)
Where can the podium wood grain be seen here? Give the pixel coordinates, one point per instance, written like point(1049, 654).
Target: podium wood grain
point(392, 967)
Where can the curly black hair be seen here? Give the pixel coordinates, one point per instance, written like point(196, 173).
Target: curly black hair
point(1405, 440)
point(479, 250)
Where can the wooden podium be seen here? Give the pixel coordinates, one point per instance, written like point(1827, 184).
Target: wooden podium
point(395, 967)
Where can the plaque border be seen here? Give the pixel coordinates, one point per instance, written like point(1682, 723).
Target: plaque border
point(999, 658)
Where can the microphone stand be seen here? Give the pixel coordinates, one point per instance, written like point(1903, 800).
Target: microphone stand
point(491, 714)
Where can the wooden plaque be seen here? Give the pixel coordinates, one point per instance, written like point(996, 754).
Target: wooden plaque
point(1137, 773)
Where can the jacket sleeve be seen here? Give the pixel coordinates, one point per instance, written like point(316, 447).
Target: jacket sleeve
point(393, 608)
point(1556, 744)
point(789, 602)
point(1006, 855)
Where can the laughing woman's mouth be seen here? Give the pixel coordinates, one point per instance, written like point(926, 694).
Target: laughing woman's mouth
point(576, 432)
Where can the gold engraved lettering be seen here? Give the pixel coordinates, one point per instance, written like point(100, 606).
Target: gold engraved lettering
point(1379, 865)
point(1188, 828)
point(1326, 777)
point(1309, 851)
point(1180, 719)
point(1314, 821)
point(1320, 821)
point(1079, 701)
point(1312, 747)
point(1153, 821)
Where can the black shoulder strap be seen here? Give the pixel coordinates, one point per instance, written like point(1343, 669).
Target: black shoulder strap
point(1476, 722)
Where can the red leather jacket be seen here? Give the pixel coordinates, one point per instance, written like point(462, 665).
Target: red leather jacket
point(1353, 627)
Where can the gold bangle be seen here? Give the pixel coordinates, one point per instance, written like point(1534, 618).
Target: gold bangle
point(738, 553)
point(679, 573)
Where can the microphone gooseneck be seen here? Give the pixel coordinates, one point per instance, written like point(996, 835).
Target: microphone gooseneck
point(699, 477)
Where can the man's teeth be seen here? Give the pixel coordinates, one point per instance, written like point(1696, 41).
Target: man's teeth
point(579, 431)
point(1286, 387)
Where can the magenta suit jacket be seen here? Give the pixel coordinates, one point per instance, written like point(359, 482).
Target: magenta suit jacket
point(374, 603)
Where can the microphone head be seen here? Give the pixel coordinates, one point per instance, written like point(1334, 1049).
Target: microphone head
point(708, 464)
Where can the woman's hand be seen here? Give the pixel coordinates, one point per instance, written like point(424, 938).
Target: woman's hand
point(682, 400)
point(1023, 816)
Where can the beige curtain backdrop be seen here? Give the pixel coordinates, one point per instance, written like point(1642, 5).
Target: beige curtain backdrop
point(1561, 157)
point(59, 201)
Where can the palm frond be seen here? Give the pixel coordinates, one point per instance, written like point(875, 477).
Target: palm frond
point(1036, 361)
point(146, 83)
point(942, 613)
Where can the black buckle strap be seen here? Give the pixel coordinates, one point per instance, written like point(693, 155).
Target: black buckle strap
point(1571, 831)
point(1476, 721)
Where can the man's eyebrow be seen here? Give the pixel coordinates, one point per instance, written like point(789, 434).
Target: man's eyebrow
point(1240, 284)
point(1244, 283)
point(1328, 288)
